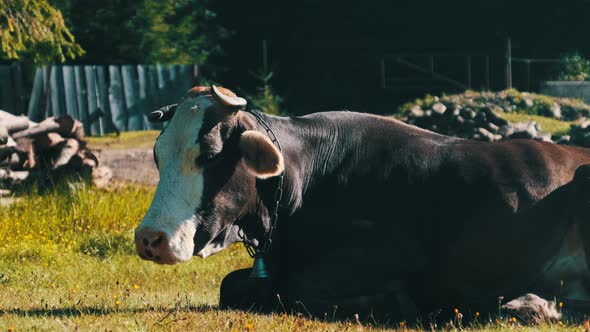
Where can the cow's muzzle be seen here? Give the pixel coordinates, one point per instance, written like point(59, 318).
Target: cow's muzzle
point(154, 246)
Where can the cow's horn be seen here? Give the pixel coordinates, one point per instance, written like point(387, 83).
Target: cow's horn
point(163, 114)
point(227, 100)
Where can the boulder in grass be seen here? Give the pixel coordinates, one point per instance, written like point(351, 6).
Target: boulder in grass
point(439, 108)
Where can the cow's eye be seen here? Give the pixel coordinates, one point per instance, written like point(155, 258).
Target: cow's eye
point(205, 158)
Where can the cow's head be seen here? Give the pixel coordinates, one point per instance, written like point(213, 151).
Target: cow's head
point(208, 157)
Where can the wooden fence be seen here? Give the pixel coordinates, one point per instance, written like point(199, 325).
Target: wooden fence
point(104, 98)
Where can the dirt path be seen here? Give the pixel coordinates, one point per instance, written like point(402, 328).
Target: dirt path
point(129, 156)
point(135, 165)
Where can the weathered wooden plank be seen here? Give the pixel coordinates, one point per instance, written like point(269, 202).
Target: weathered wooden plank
point(117, 99)
point(19, 89)
point(6, 91)
point(163, 84)
point(92, 97)
point(70, 91)
point(36, 110)
point(173, 87)
point(106, 121)
point(81, 98)
point(56, 88)
point(186, 73)
point(130, 88)
point(144, 98)
point(153, 92)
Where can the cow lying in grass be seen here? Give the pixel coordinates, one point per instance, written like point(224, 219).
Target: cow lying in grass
point(376, 216)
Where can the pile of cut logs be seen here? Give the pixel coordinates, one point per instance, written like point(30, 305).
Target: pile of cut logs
point(52, 148)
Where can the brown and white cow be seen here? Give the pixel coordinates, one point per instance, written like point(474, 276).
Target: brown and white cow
point(376, 216)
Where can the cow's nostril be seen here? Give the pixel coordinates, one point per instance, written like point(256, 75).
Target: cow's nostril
point(157, 241)
point(145, 242)
point(149, 253)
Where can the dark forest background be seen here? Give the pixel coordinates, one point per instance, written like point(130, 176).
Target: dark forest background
point(326, 55)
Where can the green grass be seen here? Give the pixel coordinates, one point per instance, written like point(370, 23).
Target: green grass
point(129, 139)
point(552, 126)
point(67, 262)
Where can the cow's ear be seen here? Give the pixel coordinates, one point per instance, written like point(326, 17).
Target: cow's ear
point(262, 157)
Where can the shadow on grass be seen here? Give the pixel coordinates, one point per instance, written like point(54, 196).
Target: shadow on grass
point(74, 311)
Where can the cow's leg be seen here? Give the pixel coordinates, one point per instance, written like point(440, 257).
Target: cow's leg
point(239, 291)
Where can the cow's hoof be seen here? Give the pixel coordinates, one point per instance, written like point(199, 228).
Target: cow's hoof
point(239, 291)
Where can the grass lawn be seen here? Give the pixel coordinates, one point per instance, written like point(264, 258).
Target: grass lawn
point(550, 125)
point(67, 262)
point(127, 140)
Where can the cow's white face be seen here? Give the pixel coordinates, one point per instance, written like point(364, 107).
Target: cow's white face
point(180, 189)
point(208, 165)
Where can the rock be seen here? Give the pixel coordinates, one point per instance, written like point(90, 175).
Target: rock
point(493, 117)
point(428, 113)
point(528, 102)
point(439, 108)
point(101, 176)
point(485, 135)
point(416, 112)
point(492, 127)
point(555, 111)
point(524, 130)
point(506, 130)
point(565, 139)
point(468, 113)
point(585, 124)
point(544, 137)
point(458, 120)
point(481, 118)
point(533, 309)
point(456, 112)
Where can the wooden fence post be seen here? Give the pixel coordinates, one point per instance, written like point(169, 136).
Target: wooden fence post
point(130, 87)
point(117, 98)
point(35, 108)
point(92, 119)
point(106, 121)
point(82, 100)
point(56, 88)
point(70, 91)
point(163, 84)
point(144, 98)
point(152, 90)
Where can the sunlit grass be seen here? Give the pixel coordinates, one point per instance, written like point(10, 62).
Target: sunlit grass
point(67, 262)
point(127, 140)
point(549, 125)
